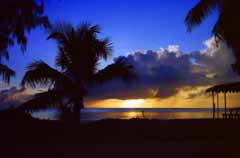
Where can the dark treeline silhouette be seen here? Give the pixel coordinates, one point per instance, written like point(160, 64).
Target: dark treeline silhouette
point(79, 52)
point(16, 18)
point(227, 27)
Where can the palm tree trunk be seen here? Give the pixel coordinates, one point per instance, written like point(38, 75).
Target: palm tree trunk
point(78, 106)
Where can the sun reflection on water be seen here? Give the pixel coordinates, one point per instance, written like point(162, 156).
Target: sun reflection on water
point(132, 114)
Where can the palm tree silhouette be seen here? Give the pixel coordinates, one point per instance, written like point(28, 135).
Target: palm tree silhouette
point(79, 52)
point(17, 18)
point(227, 27)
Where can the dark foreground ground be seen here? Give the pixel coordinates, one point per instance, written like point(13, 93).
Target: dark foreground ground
point(22, 136)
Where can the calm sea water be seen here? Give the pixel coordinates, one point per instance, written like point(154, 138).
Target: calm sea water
point(95, 114)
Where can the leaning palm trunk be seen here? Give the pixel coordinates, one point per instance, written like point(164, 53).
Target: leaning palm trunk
point(76, 111)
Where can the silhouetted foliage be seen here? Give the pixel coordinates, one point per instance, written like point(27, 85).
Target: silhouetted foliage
point(16, 18)
point(79, 52)
point(227, 27)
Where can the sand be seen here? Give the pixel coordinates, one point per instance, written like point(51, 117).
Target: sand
point(123, 138)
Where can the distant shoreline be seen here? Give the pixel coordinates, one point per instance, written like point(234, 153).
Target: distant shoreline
point(96, 114)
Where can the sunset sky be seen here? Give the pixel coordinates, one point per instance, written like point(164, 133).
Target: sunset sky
point(174, 67)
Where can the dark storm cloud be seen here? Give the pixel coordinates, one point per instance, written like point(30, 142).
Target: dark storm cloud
point(162, 73)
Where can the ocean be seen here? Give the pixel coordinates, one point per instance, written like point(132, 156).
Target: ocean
point(95, 114)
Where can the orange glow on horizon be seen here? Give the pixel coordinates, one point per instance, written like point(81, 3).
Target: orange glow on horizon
point(186, 97)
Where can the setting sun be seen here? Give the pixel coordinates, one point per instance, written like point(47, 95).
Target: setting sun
point(133, 103)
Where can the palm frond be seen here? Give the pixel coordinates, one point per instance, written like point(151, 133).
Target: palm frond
point(87, 33)
point(44, 100)
point(39, 73)
point(59, 31)
point(119, 69)
point(95, 29)
point(19, 17)
point(86, 29)
point(6, 73)
point(197, 14)
point(63, 33)
point(62, 60)
point(58, 36)
point(5, 43)
point(103, 48)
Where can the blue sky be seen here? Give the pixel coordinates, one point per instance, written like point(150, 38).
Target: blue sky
point(130, 24)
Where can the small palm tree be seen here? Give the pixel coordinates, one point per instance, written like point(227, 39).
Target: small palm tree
point(79, 52)
point(16, 18)
point(227, 26)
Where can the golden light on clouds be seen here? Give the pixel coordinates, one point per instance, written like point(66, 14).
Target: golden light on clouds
point(133, 103)
point(186, 97)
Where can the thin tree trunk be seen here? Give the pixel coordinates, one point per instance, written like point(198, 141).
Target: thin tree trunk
point(78, 106)
point(76, 112)
point(81, 104)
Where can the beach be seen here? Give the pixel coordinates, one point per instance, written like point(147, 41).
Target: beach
point(125, 138)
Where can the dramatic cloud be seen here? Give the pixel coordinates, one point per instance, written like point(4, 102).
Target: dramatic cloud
point(166, 78)
point(163, 73)
point(218, 59)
